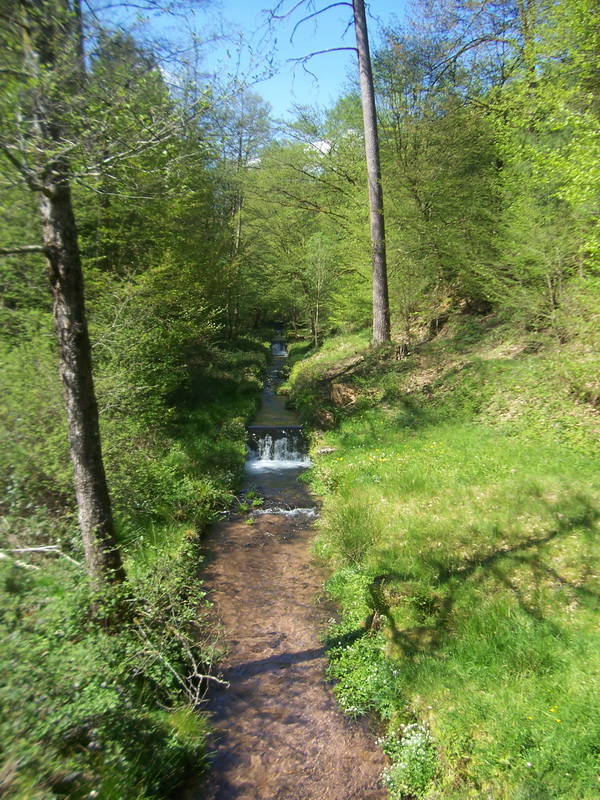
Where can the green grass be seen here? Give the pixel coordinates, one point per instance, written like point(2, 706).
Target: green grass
point(461, 512)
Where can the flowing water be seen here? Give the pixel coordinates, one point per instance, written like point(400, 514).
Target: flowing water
point(278, 732)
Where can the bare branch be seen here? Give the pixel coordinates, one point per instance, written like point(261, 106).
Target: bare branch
point(275, 15)
point(27, 174)
point(316, 14)
point(443, 66)
point(23, 250)
point(319, 179)
point(305, 58)
point(19, 563)
point(159, 137)
point(51, 548)
point(192, 694)
point(306, 205)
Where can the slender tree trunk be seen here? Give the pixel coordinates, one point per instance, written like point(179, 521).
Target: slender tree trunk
point(236, 251)
point(66, 277)
point(51, 29)
point(381, 305)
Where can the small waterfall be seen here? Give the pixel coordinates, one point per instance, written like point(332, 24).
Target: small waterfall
point(276, 448)
point(279, 349)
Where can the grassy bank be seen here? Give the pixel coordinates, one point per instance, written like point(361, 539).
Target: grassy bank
point(461, 492)
point(111, 712)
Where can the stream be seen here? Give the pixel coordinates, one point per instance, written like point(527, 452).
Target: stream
point(278, 734)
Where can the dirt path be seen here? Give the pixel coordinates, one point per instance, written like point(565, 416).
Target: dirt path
point(278, 733)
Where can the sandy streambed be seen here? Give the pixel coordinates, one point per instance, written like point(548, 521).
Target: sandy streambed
point(278, 732)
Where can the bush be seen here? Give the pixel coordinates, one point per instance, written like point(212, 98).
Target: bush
point(87, 709)
point(35, 469)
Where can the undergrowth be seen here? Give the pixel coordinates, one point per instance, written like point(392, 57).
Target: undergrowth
point(92, 713)
point(112, 712)
point(461, 507)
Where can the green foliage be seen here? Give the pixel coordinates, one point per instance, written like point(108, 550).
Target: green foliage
point(489, 163)
point(464, 476)
point(99, 695)
point(89, 709)
point(414, 761)
point(105, 703)
point(155, 326)
point(112, 710)
point(364, 680)
point(306, 213)
point(442, 196)
point(34, 462)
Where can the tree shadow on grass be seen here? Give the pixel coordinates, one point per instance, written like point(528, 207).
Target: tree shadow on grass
point(436, 603)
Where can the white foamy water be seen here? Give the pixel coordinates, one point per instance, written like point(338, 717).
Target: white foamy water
point(276, 464)
point(307, 513)
point(279, 349)
point(276, 452)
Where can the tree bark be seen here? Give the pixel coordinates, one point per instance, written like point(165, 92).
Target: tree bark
point(381, 305)
point(75, 359)
point(50, 32)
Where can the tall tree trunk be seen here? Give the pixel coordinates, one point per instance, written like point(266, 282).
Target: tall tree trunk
point(52, 29)
point(381, 305)
point(75, 359)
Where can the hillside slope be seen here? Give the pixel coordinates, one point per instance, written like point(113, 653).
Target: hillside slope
point(461, 508)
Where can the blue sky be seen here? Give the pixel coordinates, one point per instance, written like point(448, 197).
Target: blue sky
point(292, 84)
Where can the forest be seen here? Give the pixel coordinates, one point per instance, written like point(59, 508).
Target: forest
point(156, 225)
